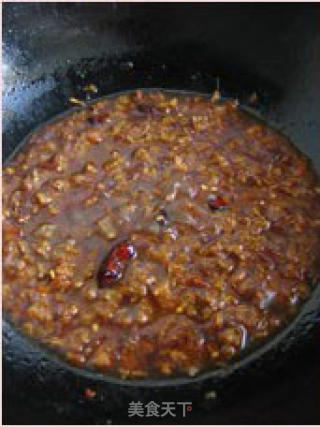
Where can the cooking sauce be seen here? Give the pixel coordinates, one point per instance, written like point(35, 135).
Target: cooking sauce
point(157, 234)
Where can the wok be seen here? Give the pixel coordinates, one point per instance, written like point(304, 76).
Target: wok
point(51, 51)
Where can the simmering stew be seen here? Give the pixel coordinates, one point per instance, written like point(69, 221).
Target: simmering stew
point(157, 234)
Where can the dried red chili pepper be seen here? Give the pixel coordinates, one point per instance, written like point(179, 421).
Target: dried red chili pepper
point(114, 265)
point(216, 203)
point(89, 393)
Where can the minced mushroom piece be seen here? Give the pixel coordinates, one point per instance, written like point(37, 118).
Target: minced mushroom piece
point(43, 198)
point(107, 227)
point(46, 230)
point(77, 101)
point(91, 88)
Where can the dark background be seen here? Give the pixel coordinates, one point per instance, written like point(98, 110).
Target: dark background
point(50, 52)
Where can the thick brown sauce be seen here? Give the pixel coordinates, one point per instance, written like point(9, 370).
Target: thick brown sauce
point(221, 212)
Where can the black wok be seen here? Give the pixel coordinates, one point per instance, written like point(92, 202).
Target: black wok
point(51, 51)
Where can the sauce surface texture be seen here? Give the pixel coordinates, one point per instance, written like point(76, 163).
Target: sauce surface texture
point(155, 234)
